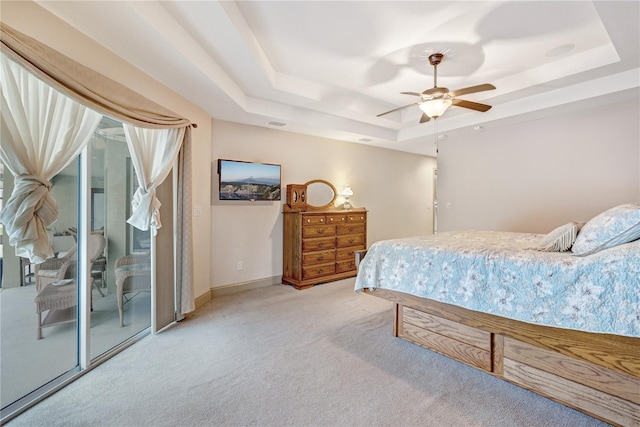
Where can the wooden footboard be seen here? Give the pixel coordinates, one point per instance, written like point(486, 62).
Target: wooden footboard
point(597, 374)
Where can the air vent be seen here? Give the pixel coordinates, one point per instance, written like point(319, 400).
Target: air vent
point(279, 124)
point(365, 140)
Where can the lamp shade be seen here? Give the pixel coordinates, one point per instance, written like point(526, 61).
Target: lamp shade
point(346, 193)
point(435, 107)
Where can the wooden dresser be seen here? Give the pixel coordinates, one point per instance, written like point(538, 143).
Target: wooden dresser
point(319, 245)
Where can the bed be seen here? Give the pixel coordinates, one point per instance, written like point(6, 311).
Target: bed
point(562, 323)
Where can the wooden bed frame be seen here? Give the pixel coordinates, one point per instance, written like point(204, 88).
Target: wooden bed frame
point(597, 374)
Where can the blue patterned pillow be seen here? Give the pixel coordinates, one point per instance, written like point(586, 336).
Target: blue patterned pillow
point(611, 228)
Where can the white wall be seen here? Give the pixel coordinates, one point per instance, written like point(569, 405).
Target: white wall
point(33, 20)
point(395, 187)
point(535, 176)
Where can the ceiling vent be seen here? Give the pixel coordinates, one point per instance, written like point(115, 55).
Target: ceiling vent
point(279, 124)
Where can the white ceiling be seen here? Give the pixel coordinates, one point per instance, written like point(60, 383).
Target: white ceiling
point(327, 68)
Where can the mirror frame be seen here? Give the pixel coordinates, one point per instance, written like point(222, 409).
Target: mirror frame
point(331, 203)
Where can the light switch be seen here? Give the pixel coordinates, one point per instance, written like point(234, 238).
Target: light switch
point(197, 210)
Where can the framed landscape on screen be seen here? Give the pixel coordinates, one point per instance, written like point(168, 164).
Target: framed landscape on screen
point(240, 180)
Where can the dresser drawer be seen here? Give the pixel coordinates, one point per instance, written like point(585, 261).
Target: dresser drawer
point(318, 230)
point(318, 244)
point(348, 253)
point(313, 220)
point(336, 218)
point(319, 257)
point(352, 228)
point(319, 270)
point(359, 217)
point(346, 265)
point(350, 240)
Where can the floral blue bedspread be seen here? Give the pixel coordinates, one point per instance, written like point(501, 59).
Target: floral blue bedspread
point(500, 273)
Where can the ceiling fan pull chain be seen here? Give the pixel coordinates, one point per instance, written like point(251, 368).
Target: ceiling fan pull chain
point(435, 135)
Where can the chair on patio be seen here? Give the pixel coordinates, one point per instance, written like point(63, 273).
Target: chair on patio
point(97, 243)
point(133, 275)
point(55, 269)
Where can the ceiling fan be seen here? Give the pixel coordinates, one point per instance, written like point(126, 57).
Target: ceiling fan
point(435, 101)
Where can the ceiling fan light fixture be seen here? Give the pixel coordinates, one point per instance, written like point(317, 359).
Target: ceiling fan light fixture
point(434, 102)
point(435, 108)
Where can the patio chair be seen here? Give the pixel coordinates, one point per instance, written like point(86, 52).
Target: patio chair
point(97, 244)
point(133, 275)
point(54, 269)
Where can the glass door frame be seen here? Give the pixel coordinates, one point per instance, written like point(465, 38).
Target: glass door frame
point(84, 362)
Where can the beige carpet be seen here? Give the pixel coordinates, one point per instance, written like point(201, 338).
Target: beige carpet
point(276, 356)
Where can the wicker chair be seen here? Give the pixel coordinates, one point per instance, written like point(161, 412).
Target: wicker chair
point(97, 244)
point(55, 269)
point(133, 275)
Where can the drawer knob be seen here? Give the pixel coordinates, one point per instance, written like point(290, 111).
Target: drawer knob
point(320, 231)
point(320, 258)
point(352, 228)
point(320, 245)
point(351, 240)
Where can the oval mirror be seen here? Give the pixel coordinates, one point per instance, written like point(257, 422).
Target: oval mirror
point(320, 194)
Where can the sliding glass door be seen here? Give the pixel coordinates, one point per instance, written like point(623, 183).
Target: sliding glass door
point(102, 288)
point(43, 336)
point(38, 303)
point(121, 272)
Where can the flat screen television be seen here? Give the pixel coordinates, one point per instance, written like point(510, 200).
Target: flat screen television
point(239, 180)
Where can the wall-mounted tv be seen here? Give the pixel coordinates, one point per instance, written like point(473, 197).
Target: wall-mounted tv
point(241, 180)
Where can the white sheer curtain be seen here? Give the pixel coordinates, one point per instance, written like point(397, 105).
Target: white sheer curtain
point(153, 152)
point(110, 98)
point(42, 131)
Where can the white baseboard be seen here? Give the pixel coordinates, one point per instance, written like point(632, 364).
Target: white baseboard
point(245, 286)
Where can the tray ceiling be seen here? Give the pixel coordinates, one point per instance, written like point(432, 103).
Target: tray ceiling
point(326, 68)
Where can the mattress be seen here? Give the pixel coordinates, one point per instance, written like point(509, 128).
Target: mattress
point(502, 274)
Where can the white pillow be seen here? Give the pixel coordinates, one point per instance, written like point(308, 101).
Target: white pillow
point(560, 239)
point(612, 227)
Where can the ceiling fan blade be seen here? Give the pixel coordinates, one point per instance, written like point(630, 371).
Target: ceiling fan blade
point(424, 118)
point(396, 109)
point(471, 105)
point(410, 93)
point(472, 89)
